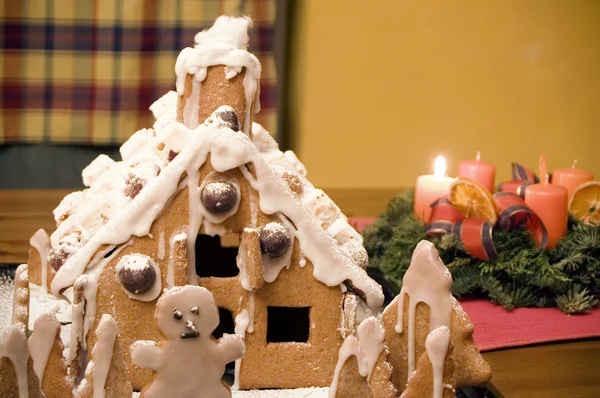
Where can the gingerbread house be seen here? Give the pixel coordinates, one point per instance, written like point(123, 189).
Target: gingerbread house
point(206, 197)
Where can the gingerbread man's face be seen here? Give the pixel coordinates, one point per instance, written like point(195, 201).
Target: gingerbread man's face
point(187, 314)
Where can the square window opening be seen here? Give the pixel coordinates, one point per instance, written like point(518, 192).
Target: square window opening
point(216, 256)
point(288, 324)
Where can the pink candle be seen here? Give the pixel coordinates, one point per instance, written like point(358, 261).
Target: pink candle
point(430, 188)
point(550, 202)
point(482, 172)
point(571, 178)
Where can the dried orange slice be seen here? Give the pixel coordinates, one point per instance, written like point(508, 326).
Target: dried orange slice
point(473, 200)
point(585, 202)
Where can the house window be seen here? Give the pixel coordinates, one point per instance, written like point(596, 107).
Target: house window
point(288, 324)
point(215, 256)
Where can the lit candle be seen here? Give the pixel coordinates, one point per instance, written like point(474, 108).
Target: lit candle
point(482, 172)
point(549, 201)
point(430, 188)
point(571, 178)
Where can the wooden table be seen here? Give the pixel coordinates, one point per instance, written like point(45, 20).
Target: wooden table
point(549, 370)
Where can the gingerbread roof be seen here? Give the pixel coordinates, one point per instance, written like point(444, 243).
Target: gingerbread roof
point(124, 197)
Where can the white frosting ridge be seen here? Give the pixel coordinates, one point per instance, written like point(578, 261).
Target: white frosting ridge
point(13, 345)
point(437, 347)
point(106, 334)
point(41, 342)
point(427, 280)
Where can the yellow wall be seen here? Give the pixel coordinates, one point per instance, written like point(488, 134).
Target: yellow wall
point(382, 87)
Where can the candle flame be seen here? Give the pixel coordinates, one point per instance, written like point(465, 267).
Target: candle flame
point(478, 156)
point(439, 168)
point(574, 163)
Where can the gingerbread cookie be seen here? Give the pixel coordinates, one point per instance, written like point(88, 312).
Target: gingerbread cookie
point(434, 375)
point(188, 362)
point(46, 348)
point(425, 303)
point(17, 377)
point(362, 369)
point(105, 375)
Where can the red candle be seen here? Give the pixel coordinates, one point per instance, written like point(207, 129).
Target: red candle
point(550, 203)
point(571, 178)
point(482, 172)
point(430, 188)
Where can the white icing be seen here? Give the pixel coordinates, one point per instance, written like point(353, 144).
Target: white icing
point(106, 334)
point(371, 335)
point(176, 237)
point(41, 242)
point(427, 280)
point(241, 325)
point(437, 347)
point(160, 253)
point(139, 262)
point(13, 345)
point(229, 30)
point(41, 342)
point(241, 261)
point(96, 169)
point(190, 111)
point(164, 104)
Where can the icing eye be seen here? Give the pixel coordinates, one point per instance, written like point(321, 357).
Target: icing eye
point(231, 118)
point(177, 314)
point(219, 197)
point(194, 310)
point(275, 239)
point(137, 278)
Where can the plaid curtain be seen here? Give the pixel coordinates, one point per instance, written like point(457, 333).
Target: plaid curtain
point(86, 71)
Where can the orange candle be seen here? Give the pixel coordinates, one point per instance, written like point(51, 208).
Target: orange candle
point(550, 202)
point(482, 172)
point(430, 188)
point(571, 178)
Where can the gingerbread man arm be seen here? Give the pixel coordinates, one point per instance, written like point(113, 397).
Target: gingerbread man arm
point(232, 347)
point(146, 354)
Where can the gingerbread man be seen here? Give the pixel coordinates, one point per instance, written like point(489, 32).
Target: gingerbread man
point(189, 362)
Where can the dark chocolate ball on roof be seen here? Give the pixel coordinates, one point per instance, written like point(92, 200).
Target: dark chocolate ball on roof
point(230, 117)
point(275, 239)
point(137, 276)
point(219, 197)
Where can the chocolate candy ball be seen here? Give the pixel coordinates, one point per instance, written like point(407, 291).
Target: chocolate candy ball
point(231, 118)
point(275, 239)
point(137, 279)
point(219, 197)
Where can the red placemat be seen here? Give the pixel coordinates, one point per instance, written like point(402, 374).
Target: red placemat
point(497, 328)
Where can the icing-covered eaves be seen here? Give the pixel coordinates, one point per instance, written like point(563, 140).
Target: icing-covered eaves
point(229, 150)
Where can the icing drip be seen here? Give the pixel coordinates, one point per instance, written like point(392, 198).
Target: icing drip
point(161, 246)
point(190, 111)
point(349, 347)
point(371, 334)
point(241, 261)
point(302, 261)
point(241, 326)
point(41, 242)
point(180, 236)
point(13, 345)
point(427, 280)
point(41, 341)
point(437, 347)
point(106, 333)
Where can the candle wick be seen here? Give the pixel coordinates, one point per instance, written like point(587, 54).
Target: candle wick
point(574, 163)
point(478, 156)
